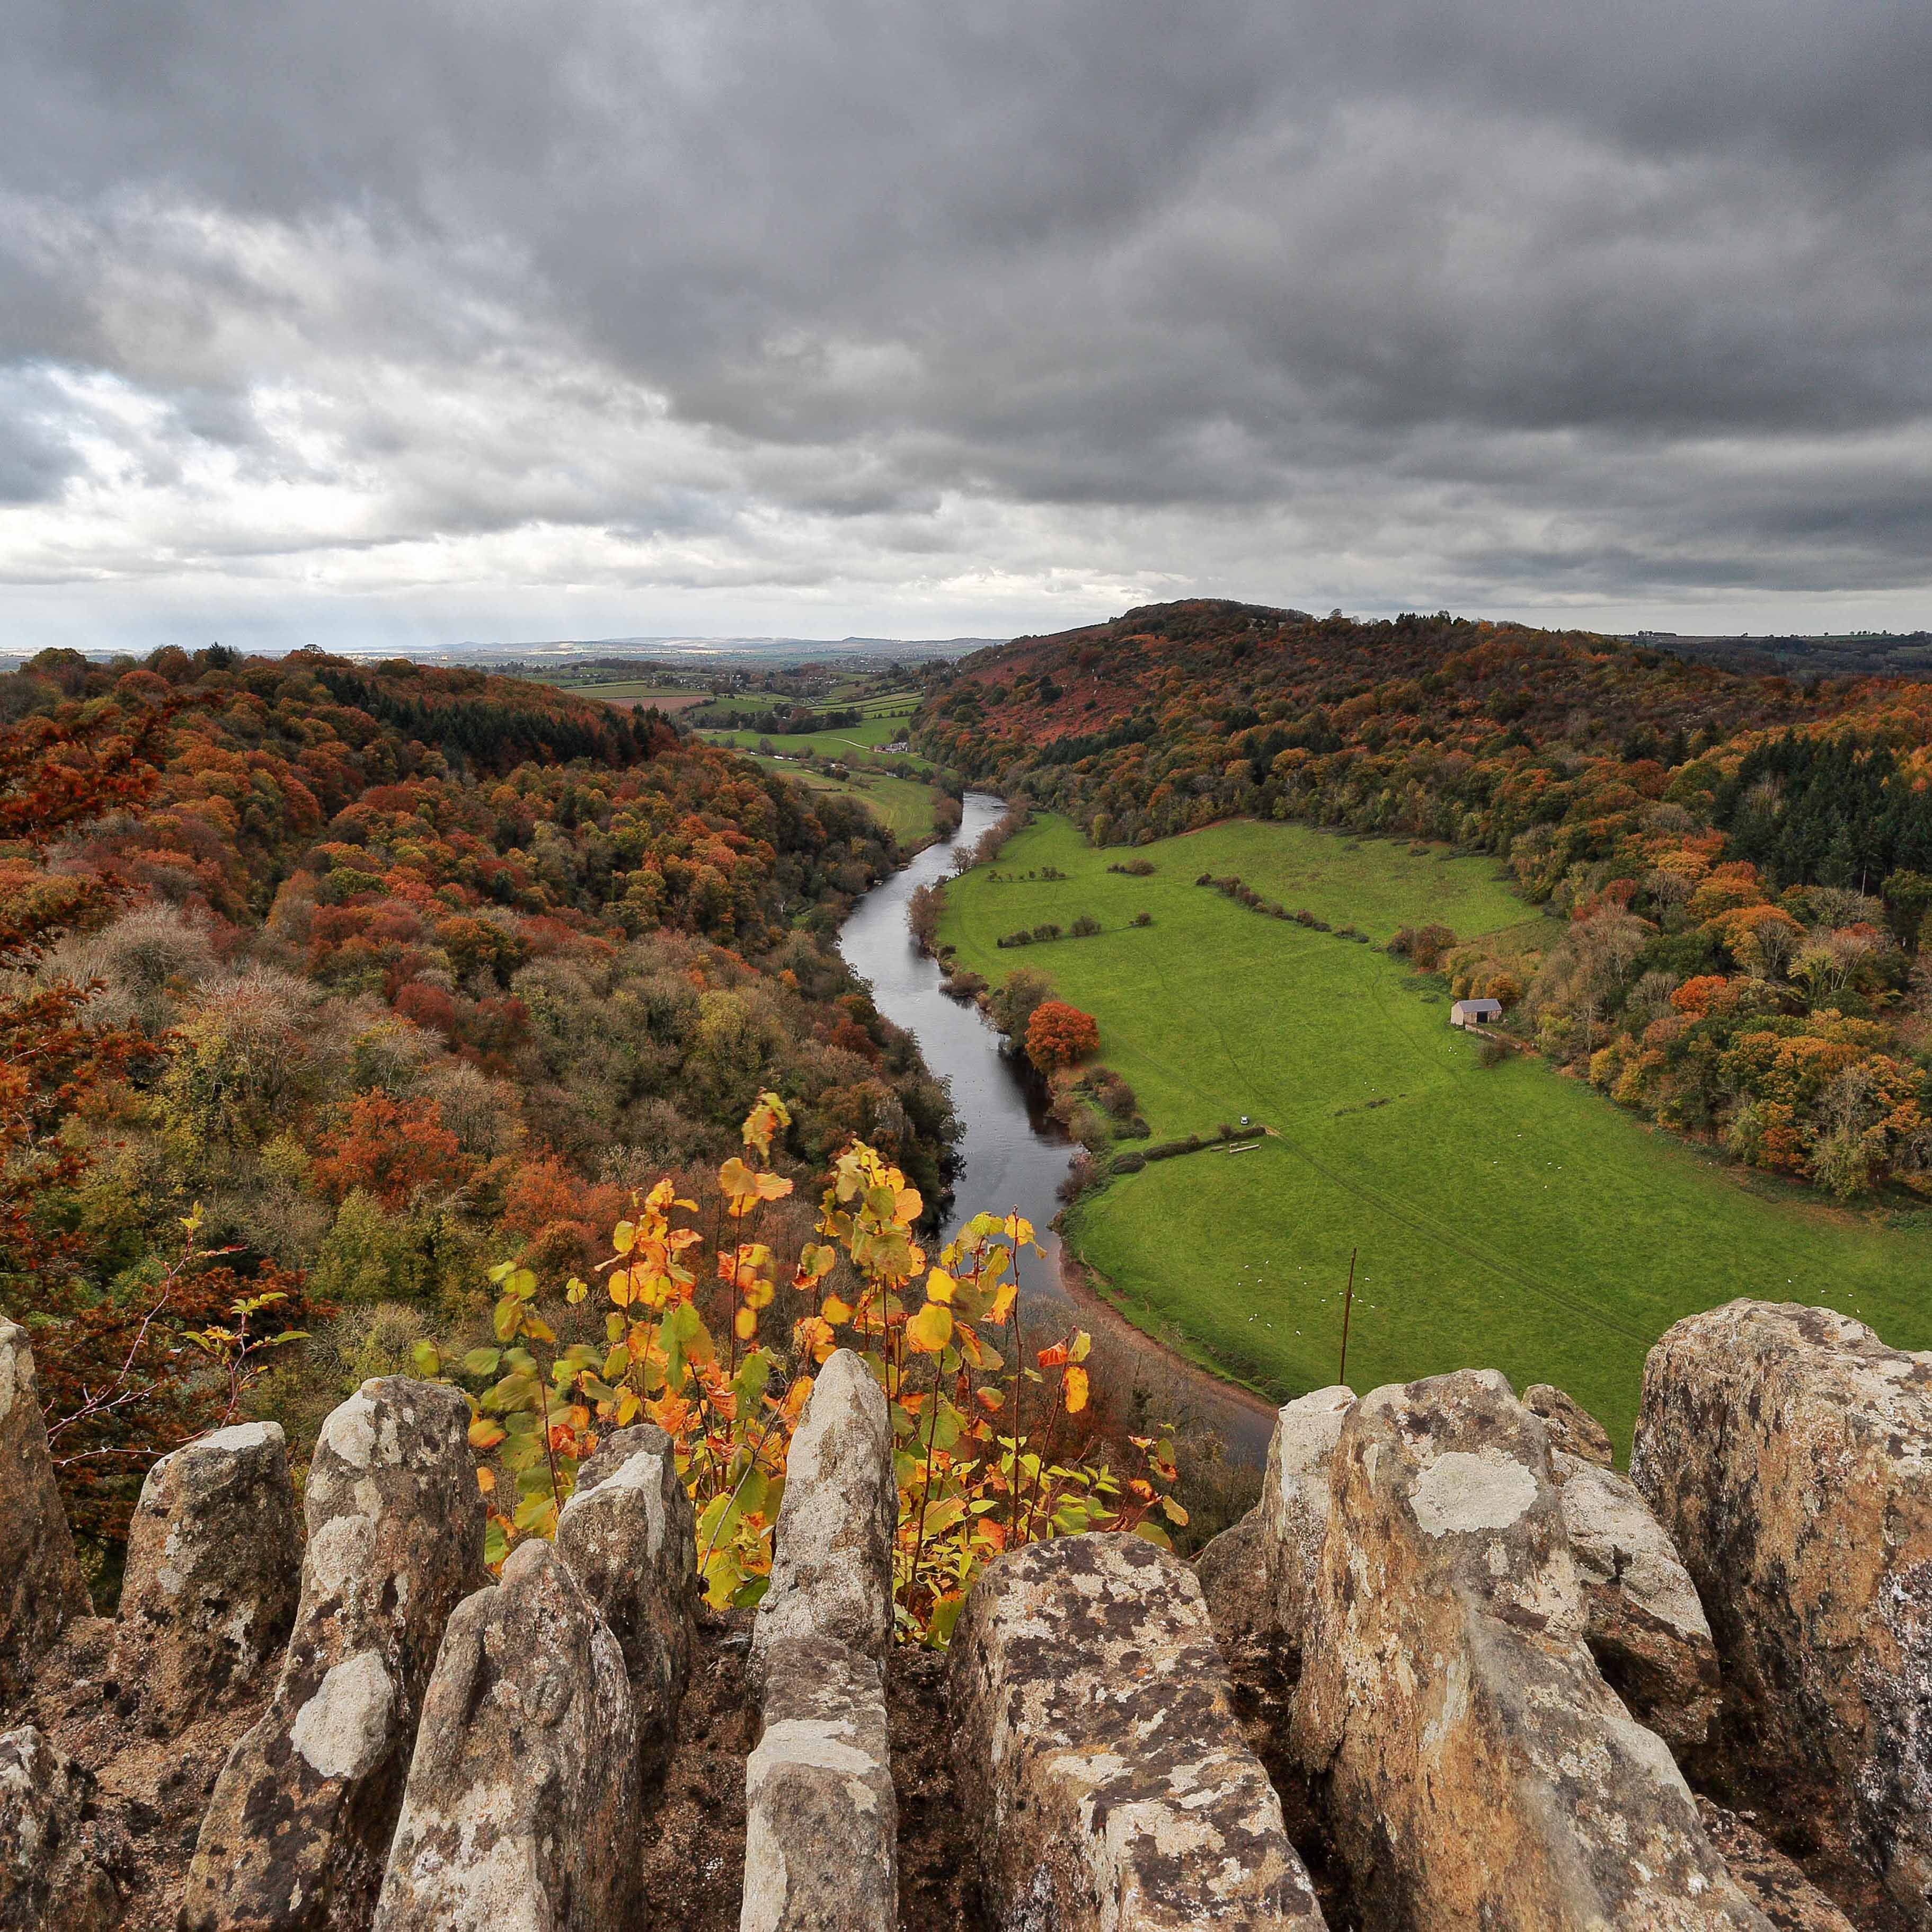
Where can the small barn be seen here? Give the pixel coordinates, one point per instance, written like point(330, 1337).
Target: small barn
point(1475, 1012)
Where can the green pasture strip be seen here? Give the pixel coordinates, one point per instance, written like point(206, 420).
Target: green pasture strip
point(1505, 1217)
point(903, 804)
point(849, 741)
point(635, 688)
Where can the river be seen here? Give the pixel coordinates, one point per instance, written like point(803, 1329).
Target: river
point(1013, 1156)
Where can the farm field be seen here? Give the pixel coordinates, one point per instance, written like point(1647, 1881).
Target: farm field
point(1505, 1217)
point(638, 690)
point(836, 744)
point(902, 804)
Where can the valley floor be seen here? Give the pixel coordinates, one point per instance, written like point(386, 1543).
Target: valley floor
point(1502, 1214)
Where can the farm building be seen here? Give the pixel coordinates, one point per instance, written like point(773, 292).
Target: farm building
point(1475, 1013)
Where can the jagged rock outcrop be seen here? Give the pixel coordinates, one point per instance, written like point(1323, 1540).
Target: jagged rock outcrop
point(522, 1807)
point(1572, 1428)
point(1643, 1622)
point(1294, 1505)
point(1097, 1753)
point(820, 1842)
point(1233, 1573)
point(1474, 1769)
point(297, 1834)
point(629, 1537)
point(42, 1589)
point(831, 1569)
point(58, 1868)
point(1788, 1451)
point(214, 1565)
point(1765, 1876)
point(821, 1827)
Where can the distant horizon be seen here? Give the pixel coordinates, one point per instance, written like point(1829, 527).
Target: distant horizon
point(691, 650)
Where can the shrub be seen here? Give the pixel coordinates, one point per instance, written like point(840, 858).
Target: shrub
point(1011, 1005)
point(1134, 868)
point(1143, 919)
point(1085, 926)
point(1129, 1163)
point(1167, 1150)
point(975, 1478)
point(1046, 931)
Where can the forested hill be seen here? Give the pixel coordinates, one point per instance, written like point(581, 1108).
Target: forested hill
point(1176, 715)
point(423, 970)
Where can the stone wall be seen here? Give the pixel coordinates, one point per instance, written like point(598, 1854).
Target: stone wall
point(1454, 1671)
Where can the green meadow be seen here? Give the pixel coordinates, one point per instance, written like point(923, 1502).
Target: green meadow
point(903, 804)
point(1503, 1216)
point(842, 743)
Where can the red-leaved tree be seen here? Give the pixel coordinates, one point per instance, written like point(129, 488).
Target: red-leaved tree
point(1058, 1035)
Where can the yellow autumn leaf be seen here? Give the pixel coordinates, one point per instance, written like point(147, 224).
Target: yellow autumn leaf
point(623, 1237)
point(931, 1329)
point(939, 1286)
point(835, 1311)
point(486, 1480)
point(746, 1321)
point(1075, 1385)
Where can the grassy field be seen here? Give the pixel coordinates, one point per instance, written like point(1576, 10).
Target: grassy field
point(668, 697)
point(839, 744)
point(1505, 1217)
point(903, 804)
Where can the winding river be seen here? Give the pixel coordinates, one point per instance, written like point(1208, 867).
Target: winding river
point(1013, 1156)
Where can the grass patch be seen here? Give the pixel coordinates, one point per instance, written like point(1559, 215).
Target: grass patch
point(903, 804)
point(847, 741)
point(1506, 1218)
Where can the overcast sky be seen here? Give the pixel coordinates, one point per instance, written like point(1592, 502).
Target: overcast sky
point(412, 320)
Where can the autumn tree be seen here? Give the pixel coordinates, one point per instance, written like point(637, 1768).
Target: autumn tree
point(1058, 1035)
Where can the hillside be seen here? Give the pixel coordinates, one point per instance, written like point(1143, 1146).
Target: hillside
point(418, 970)
point(1744, 864)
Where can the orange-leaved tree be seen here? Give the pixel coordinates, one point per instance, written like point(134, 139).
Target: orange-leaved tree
point(989, 1449)
point(1058, 1035)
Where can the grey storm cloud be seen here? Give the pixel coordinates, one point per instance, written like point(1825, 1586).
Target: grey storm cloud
point(976, 311)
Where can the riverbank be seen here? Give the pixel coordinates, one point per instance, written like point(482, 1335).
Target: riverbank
point(1177, 1389)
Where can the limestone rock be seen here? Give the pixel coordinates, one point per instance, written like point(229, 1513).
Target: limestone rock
point(629, 1537)
point(213, 1565)
point(58, 1868)
point(1474, 1769)
point(832, 1574)
point(1233, 1573)
point(821, 1827)
point(1097, 1753)
point(42, 1588)
point(1572, 1428)
point(1766, 1877)
point(298, 1831)
point(1295, 1503)
point(1644, 1624)
point(1788, 1452)
point(522, 1809)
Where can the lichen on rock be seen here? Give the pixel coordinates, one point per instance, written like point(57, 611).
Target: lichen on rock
point(213, 1563)
point(41, 1589)
point(522, 1805)
point(1473, 1767)
point(1098, 1755)
point(1788, 1452)
point(297, 1834)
